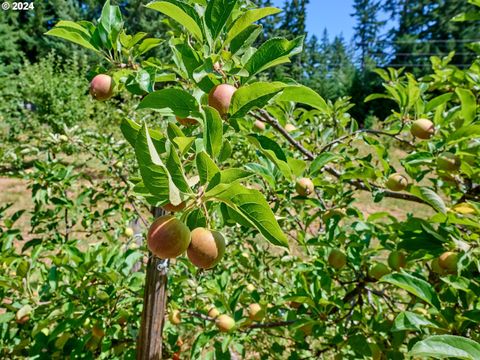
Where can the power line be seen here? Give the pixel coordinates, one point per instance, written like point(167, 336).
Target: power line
point(419, 41)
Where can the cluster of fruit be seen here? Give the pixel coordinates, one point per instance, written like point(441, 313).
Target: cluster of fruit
point(447, 162)
point(223, 322)
point(168, 238)
point(443, 265)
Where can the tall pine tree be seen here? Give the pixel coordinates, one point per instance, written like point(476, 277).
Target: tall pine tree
point(367, 31)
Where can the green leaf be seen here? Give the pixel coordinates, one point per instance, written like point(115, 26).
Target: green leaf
point(469, 104)
point(180, 102)
point(322, 160)
point(182, 13)
point(146, 45)
point(411, 321)
point(273, 52)
point(217, 14)
point(414, 285)
point(213, 132)
point(206, 167)
point(154, 173)
point(175, 168)
point(304, 95)
point(229, 176)
point(437, 101)
point(130, 131)
point(253, 207)
point(248, 18)
point(430, 197)
point(256, 95)
point(245, 39)
point(467, 16)
point(73, 32)
point(111, 20)
point(447, 346)
point(272, 151)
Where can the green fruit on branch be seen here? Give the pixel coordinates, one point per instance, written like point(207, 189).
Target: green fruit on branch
point(97, 331)
point(213, 312)
point(225, 323)
point(128, 232)
point(422, 129)
point(304, 187)
point(290, 128)
point(250, 288)
point(101, 87)
point(168, 237)
point(63, 138)
point(396, 182)
point(174, 208)
point(220, 98)
point(175, 317)
point(397, 260)
point(448, 261)
point(259, 126)
point(206, 248)
point(436, 268)
point(448, 161)
point(337, 259)
point(119, 165)
point(378, 270)
point(187, 121)
point(256, 312)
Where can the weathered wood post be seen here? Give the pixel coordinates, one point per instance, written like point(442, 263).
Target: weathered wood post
point(150, 341)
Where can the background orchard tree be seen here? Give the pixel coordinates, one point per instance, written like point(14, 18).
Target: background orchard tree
point(306, 271)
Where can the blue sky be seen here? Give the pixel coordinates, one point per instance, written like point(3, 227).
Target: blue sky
point(331, 14)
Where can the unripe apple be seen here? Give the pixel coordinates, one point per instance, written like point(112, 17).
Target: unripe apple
point(378, 270)
point(206, 248)
point(97, 331)
point(306, 329)
point(397, 260)
point(436, 268)
point(119, 164)
point(63, 138)
point(422, 129)
point(250, 287)
point(225, 323)
point(448, 261)
point(213, 312)
point(448, 161)
point(396, 182)
point(101, 87)
point(23, 314)
point(128, 232)
point(327, 215)
point(259, 126)
point(187, 121)
point(337, 259)
point(175, 317)
point(290, 128)
point(220, 98)
point(304, 187)
point(256, 312)
point(168, 237)
point(174, 208)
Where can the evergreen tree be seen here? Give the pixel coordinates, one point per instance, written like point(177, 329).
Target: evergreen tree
point(425, 29)
point(367, 31)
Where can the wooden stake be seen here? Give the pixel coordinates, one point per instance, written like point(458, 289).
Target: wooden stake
point(149, 346)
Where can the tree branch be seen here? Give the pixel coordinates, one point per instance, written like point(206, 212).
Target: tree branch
point(360, 185)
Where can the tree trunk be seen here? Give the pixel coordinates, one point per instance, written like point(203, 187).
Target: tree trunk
point(149, 346)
